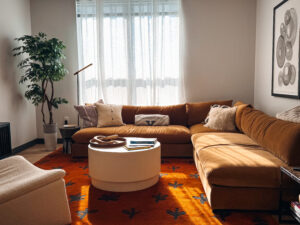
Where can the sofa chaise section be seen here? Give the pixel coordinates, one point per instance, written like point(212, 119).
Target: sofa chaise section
point(242, 170)
point(235, 164)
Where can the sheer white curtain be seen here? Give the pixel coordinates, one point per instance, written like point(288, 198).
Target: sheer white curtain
point(135, 48)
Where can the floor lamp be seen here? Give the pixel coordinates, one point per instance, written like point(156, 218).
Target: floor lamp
point(76, 74)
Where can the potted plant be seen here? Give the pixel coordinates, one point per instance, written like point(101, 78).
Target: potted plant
point(42, 66)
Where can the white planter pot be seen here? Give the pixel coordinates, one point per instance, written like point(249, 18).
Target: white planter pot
point(50, 136)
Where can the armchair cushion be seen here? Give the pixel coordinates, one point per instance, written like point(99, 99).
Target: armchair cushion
point(18, 177)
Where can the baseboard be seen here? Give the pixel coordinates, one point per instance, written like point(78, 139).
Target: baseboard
point(23, 147)
point(29, 144)
point(20, 148)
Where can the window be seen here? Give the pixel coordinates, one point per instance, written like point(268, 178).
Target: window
point(135, 48)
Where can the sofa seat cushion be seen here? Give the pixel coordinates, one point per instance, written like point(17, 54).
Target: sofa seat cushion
point(200, 128)
point(235, 160)
point(173, 134)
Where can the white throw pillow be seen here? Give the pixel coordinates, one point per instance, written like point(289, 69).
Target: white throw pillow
point(109, 115)
point(151, 120)
point(221, 118)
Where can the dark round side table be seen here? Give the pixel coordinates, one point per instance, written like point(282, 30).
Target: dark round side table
point(66, 134)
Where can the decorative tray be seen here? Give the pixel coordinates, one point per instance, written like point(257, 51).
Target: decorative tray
point(111, 141)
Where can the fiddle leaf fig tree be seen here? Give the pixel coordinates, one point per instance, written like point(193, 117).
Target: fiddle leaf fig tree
point(42, 67)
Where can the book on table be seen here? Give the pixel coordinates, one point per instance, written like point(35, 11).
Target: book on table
point(136, 147)
point(295, 207)
point(69, 125)
point(140, 143)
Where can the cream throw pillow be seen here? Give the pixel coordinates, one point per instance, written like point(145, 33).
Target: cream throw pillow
point(221, 118)
point(109, 115)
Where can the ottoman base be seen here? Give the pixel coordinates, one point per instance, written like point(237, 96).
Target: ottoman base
point(124, 186)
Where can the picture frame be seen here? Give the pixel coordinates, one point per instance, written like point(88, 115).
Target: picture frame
point(286, 50)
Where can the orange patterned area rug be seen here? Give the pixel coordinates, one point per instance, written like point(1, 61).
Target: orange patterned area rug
point(178, 198)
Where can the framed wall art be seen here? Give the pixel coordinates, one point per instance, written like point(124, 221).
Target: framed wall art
point(285, 71)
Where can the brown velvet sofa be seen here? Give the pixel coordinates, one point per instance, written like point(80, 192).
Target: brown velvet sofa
point(241, 170)
point(175, 139)
point(238, 170)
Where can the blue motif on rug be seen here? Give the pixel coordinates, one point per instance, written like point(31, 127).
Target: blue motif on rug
point(176, 213)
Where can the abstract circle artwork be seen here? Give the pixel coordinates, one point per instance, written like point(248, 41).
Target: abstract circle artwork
point(286, 49)
point(280, 51)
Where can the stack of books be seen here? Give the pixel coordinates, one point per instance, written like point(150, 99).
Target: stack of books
point(295, 207)
point(140, 143)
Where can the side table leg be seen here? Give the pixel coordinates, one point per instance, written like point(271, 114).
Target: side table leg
point(280, 200)
point(70, 147)
point(67, 147)
point(64, 146)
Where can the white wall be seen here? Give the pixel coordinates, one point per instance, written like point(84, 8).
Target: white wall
point(263, 62)
point(57, 18)
point(220, 38)
point(14, 22)
point(220, 49)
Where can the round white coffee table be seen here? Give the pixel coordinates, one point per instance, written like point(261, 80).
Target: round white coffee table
point(120, 170)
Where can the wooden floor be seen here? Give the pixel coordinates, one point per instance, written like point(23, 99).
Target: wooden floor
point(36, 152)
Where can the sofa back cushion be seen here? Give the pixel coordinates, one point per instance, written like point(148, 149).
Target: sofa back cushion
point(197, 112)
point(240, 106)
point(279, 137)
point(177, 113)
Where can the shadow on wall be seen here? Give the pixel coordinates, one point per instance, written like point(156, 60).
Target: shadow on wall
point(8, 74)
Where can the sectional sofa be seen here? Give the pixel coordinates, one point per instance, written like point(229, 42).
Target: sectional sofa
point(238, 170)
